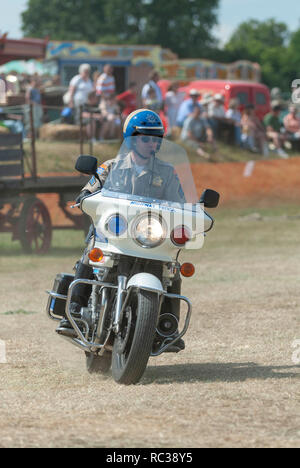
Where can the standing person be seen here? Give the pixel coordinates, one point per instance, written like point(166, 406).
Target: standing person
point(33, 97)
point(173, 100)
point(152, 85)
point(273, 126)
point(79, 88)
point(187, 107)
point(128, 100)
point(106, 84)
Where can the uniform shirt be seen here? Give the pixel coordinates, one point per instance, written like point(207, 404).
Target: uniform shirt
point(157, 179)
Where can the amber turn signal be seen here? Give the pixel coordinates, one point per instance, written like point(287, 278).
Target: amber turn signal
point(187, 269)
point(96, 255)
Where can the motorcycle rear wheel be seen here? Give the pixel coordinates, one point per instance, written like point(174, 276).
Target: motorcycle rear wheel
point(133, 345)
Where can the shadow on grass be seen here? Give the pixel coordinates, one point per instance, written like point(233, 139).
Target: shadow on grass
point(216, 372)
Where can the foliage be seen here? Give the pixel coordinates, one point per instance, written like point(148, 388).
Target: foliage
point(268, 43)
point(184, 27)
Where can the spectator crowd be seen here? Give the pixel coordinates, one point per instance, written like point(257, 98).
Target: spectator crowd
point(199, 121)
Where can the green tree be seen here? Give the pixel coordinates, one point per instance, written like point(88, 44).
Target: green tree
point(265, 42)
point(183, 26)
point(63, 20)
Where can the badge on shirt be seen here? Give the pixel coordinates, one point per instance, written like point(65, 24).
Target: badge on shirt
point(157, 181)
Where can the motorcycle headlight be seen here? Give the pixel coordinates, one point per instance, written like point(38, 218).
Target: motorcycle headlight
point(149, 231)
point(116, 224)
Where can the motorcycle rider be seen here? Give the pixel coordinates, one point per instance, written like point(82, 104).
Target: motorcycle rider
point(138, 172)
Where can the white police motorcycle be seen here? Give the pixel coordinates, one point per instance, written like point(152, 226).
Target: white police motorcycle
point(133, 311)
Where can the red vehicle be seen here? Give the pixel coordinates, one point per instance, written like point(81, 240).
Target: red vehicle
point(248, 92)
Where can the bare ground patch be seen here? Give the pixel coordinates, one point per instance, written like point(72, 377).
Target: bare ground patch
point(234, 385)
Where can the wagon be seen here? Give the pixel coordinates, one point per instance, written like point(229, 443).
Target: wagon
point(22, 212)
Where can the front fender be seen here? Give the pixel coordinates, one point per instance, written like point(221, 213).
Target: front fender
point(145, 280)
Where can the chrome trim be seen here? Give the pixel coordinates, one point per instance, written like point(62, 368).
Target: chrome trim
point(83, 343)
point(122, 280)
point(81, 340)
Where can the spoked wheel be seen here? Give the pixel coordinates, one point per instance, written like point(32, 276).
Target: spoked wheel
point(133, 345)
point(35, 230)
point(98, 364)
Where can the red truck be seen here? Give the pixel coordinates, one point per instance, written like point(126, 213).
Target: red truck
point(248, 92)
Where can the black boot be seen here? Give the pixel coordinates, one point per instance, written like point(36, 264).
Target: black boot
point(79, 299)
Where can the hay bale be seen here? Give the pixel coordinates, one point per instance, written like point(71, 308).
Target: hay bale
point(4, 130)
point(59, 132)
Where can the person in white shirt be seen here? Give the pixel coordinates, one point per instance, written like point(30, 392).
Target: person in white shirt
point(152, 84)
point(173, 100)
point(79, 88)
point(216, 113)
point(106, 85)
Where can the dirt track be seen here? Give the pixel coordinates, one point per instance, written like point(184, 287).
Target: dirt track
point(234, 385)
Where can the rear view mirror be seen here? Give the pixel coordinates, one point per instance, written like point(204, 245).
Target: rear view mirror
point(87, 165)
point(210, 198)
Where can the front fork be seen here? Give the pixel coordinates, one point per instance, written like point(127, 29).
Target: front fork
point(122, 280)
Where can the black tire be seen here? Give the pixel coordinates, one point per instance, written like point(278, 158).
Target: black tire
point(35, 229)
point(98, 364)
point(133, 346)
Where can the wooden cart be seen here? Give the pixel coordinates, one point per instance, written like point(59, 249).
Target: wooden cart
point(21, 211)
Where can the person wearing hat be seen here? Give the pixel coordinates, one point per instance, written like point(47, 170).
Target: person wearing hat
point(234, 116)
point(273, 128)
point(187, 107)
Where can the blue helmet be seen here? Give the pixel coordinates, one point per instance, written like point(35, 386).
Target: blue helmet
point(143, 121)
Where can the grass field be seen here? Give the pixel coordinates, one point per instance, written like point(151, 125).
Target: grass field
point(235, 384)
point(61, 156)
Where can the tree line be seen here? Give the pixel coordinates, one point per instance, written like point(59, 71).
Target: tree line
point(185, 26)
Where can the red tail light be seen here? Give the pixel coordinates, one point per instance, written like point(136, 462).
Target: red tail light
point(180, 235)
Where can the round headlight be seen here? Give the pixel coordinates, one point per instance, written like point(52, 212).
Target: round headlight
point(116, 225)
point(149, 231)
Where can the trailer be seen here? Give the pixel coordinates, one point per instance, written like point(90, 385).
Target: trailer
point(22, 212)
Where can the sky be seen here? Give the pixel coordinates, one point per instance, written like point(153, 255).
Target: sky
point(231, 14)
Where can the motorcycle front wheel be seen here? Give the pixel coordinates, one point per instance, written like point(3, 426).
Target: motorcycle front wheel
point(133, 345)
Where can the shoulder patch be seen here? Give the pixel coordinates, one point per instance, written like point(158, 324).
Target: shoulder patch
point(101, 169)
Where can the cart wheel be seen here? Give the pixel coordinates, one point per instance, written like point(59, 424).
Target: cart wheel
point(35, 230)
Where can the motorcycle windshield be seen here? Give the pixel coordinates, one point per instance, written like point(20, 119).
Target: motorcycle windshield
point(148, 168)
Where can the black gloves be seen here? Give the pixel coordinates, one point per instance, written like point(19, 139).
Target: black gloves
point(82, 195)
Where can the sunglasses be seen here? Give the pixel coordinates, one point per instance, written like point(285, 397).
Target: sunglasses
point(147, 138)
